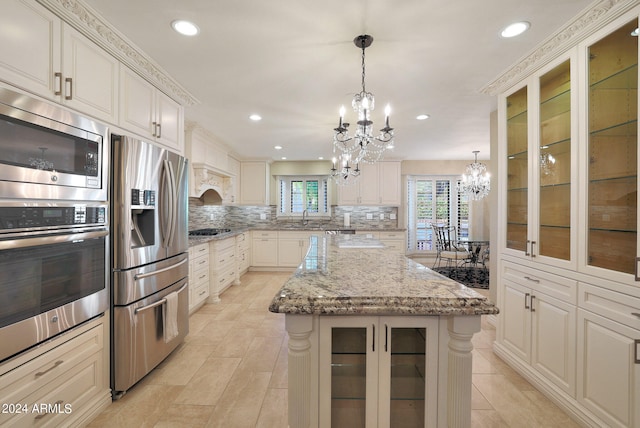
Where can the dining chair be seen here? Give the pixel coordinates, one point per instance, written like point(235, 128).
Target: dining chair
point(447, 247)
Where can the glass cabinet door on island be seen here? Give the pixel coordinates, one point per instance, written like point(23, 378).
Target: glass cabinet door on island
point(613, 148)
point(378, 372)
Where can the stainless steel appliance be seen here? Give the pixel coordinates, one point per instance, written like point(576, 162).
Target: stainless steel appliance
point(53, 270)
point(47, 152)
point(54, 226)
point(149, 256)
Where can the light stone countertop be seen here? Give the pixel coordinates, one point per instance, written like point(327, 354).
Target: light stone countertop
point(372, 281)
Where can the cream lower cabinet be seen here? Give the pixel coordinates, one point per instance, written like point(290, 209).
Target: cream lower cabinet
point(264, 248)
point(537, 328)
point(609, 355)
point(223, 270)
point(292, 247)
point(243, 252)
point(64, 382)
point(378, 371)
point(198, 275)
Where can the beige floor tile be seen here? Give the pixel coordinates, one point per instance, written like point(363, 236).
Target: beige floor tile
point(242, 400)
point(209, 382)
point(185, 416)
point(274, 409)
point(181, 365)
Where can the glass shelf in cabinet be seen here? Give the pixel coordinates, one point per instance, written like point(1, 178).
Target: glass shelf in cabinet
point(623, 79)
point(520, 117)
point(623, 177)
point(544, 186)
point(623, 129)
point(555, 106)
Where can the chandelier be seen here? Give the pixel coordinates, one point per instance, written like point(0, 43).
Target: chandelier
point(362, 146)
point(475, 182)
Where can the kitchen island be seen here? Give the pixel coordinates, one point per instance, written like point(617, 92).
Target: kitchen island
point(376, 339)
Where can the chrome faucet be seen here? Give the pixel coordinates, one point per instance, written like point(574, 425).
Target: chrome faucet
point(305, 221)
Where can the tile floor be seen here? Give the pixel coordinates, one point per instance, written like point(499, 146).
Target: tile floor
point(231, 372)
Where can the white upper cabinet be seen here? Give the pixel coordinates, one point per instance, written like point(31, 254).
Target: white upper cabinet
point(149, 112)
point(254, 183)
point(379, 184)
point(42, 55)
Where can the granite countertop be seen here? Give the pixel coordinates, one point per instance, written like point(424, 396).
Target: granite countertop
point(372, 281)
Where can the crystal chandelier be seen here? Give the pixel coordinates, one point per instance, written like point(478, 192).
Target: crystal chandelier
point(475, 182)
point(351, 150)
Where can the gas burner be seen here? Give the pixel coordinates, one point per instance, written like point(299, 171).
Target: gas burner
point(208, 232)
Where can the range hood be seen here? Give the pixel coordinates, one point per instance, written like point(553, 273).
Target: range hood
point(212, 187)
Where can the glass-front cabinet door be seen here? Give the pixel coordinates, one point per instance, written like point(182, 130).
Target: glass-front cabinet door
point(517, 170)
point(539, 159)
point(554, 164)
point(612, 171)
point(378, 372)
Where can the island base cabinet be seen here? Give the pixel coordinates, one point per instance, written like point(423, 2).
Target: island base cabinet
point(609, 367)
point(378, 371)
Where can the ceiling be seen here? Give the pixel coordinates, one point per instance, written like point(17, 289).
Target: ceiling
point(294, 63)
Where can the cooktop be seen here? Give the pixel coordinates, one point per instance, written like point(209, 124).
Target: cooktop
point(208, 232)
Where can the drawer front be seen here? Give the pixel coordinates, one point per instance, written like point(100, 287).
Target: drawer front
point(556, 286)
point(199, 250)
point(30, 382)
point(260, 234)
point(369, 234)
point(224, 244)
point(619, 307)
point(224, 258)
point(225, 277)
point(201, 262)
point(395, 245)
point(200, 276)
point(200, 292)
point(392, 235)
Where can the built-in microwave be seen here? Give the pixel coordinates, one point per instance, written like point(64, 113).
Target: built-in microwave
point(47, 152)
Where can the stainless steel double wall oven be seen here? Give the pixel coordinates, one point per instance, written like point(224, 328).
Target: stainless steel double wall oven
point(54, 221)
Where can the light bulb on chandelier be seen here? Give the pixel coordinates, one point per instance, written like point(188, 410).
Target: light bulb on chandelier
point(361, 147)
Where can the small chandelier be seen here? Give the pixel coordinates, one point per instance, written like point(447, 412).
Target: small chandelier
point(475, 182)
point(351, 150)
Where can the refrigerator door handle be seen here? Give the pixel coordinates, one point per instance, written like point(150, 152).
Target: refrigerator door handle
point(158, 303)
point(167, 211)
point(140, 276)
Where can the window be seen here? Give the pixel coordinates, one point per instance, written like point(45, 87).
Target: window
point(434, 200)
point(298, 194)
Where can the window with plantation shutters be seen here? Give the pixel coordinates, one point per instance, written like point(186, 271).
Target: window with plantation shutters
point(298, 194)
point(433, 200)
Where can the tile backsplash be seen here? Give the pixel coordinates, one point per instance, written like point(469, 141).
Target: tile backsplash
point(230, 216)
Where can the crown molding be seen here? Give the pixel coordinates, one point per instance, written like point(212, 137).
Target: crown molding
point(596, 16)
point(89, 22)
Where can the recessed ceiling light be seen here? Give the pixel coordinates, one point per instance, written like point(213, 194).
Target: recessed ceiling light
point(277, 147)
point(320, 158)
point(284, 158)
point(255, 117)
point(185, 28)
point(515, 29)
point(422, 117)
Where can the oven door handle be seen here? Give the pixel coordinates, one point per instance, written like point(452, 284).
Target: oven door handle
point(158, 303)
point(51, 239)
point(139, 276)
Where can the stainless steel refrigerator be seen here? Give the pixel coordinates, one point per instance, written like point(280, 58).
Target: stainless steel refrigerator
point(149, 295)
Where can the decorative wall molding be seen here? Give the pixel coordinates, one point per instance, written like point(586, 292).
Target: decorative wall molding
point(596, 16)
point(87, 21)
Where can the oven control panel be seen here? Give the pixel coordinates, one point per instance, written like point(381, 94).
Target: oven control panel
point(56, 216)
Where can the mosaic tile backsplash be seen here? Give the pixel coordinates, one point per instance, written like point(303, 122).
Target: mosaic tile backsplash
point(229, 216)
